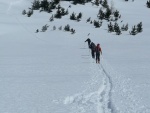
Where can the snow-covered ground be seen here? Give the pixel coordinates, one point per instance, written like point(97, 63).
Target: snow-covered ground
point(53, 71)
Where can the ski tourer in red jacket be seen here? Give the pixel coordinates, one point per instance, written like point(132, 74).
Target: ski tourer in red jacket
point(98, 51)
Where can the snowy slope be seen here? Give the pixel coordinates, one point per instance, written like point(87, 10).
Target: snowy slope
point(54, 72)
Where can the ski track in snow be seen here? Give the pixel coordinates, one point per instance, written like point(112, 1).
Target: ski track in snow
point(93, 100)
point(120, 87)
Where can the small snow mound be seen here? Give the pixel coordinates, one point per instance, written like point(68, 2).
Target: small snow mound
point(69, 100)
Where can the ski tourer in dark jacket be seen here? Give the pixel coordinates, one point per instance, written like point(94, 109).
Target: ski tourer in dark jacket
point(92, 47)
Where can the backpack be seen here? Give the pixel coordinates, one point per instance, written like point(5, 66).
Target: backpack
point(98, 49)
point(92, 46)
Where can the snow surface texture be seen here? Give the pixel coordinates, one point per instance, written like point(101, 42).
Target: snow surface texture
point(91, 100)
point(54, 72)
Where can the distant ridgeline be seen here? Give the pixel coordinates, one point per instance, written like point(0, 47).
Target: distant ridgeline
point(106, 13)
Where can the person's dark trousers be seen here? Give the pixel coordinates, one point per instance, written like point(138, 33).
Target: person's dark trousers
point(97, 58)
